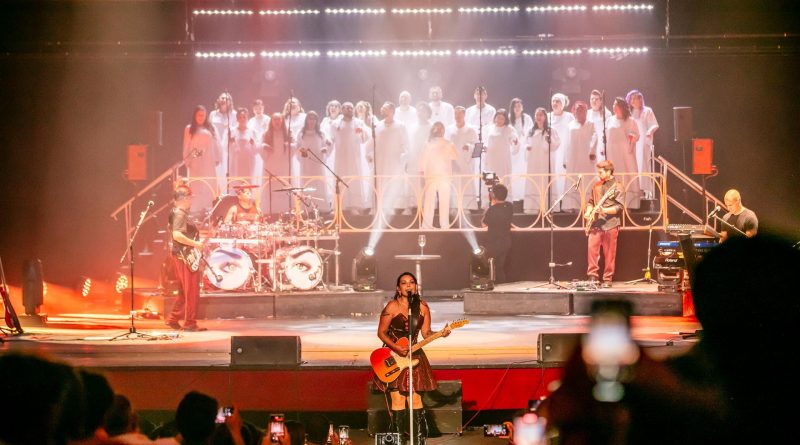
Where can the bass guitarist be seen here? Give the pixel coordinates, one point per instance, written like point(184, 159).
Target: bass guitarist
point(184, 256)
point(394, 325)
point(602, 219)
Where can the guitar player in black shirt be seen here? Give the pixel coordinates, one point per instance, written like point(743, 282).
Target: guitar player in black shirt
point(185, 258)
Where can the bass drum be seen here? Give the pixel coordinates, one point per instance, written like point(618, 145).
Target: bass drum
point(301, 267)
point(229, 268)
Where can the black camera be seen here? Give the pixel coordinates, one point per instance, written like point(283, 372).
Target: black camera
point(490, 179)
point(387, 439)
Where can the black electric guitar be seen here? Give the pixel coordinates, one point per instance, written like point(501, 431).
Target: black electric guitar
point(12, 321)
point(612, 191)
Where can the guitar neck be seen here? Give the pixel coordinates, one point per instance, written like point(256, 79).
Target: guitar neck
point(427, 340)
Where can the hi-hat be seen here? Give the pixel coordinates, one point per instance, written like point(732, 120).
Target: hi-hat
point(297, 189)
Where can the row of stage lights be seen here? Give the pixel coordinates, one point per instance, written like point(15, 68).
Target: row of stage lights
point(417, 53)
point(616, 7)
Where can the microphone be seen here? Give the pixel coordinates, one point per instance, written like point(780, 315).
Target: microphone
point(408, 292)
point(714, 212)
point(150, 204)
point(580, 178)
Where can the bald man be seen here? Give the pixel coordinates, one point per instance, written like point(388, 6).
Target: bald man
point(738, 216)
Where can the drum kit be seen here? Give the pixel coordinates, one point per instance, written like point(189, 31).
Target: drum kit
point(267, 256)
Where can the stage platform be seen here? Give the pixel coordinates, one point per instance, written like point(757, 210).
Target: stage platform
point(492, 360)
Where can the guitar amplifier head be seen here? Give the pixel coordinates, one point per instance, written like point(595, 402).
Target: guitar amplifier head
point(556, 347)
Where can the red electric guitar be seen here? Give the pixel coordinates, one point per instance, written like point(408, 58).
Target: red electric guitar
point(387, 365)
point(12, 321)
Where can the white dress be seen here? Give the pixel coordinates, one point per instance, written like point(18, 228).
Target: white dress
point(443, 112)
point(277, 155)
point(222, 123)
point(465, 164)
point(243, 154)
point(597, 119)
point(519, 166)
point(347, 137)
point(560, 124)
point(500, 141)
point(391, 145)
point(646, 121)
point(623, 154)
point(582, 146)
point(259, 125)
point(312, 172)
point(538, 153)
point(203, 165)
point(419, 139)
point(295, 124)
point(436, 164)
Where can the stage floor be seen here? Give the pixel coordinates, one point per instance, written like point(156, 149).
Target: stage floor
point(331, 341)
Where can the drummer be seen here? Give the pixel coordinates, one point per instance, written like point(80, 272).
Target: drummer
point(246, 209)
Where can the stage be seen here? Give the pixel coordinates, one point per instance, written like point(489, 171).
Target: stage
point(492, 360)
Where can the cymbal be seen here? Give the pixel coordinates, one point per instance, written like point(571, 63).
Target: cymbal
point(297, 189)
point(246, 186)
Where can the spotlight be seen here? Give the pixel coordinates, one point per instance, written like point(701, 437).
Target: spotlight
point(365, 270)
point(481, 270)
point(121, 284)
point(84, 286)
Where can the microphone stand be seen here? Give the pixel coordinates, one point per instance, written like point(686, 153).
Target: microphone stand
point(228, 141)
point(603, 112)
point(288, 186)
point(552, 264)
point(374, 153)
point(337, 216)
point(481, 104)
point(411, 330)
point(132, 334)
point(647, 273)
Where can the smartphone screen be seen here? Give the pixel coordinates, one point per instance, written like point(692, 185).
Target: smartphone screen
point(609, 342)
point(497, 430)
point(223, 413)
point(276, 427)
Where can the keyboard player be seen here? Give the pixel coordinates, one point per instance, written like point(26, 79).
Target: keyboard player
point(739, 221)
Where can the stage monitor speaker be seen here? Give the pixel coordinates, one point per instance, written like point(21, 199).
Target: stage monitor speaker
point(137, 162)
point(155, 128)
point(702, 156)
point(556, 347)
point(682, 119)
point(283, 351)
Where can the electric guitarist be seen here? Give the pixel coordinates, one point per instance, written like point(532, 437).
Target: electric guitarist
point(395, 324)
point(602, 216)
point(186, 257)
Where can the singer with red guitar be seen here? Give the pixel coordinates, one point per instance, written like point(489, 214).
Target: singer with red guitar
point(186, 257)
point(393, 327)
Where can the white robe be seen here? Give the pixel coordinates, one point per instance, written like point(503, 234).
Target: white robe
point(222, 123)
point(623, 154)
point(278, 159)
point(243, 154)
point(204, 144)
point(646, 121)
point(443, 112)
point(295, 124)
point(597, 119)
point(465, 164)
point(348, 137)
point(582, 146)
point(500, 142)
point(519, 166)
point(560, 125)
point(538, 164)
point(419, 139)
point(311, 170)
point(259, 125)
point(475, 119)
point(391, 145)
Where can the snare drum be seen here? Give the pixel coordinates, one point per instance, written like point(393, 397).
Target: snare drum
point(229, 268)
point(301, 267)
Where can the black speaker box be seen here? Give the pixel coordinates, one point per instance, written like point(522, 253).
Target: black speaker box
point(556, 347)
point(283, 351)
point(682, 120)
point(442, 409)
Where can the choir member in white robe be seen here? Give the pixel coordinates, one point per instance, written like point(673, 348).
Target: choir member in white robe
point(277, 154)
point(441, 111)
point(648, 125)
point(479, 119)
point(522, 123)
point(500, 139)
point(259, 123)
point(622, 134)
point(541, 142)
point(596, 115)
point(295, 118)
point(436, 164)
point(348, 135)
point(201, 153)
point(420, 133)
point(559, 122)
point(364, 112)
point(311, 141)
point(464, 138)
point(580, 155)
point(223, 118)
point(391, 145)
point(406, 113)
point(333, 112)
point(243, 148)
